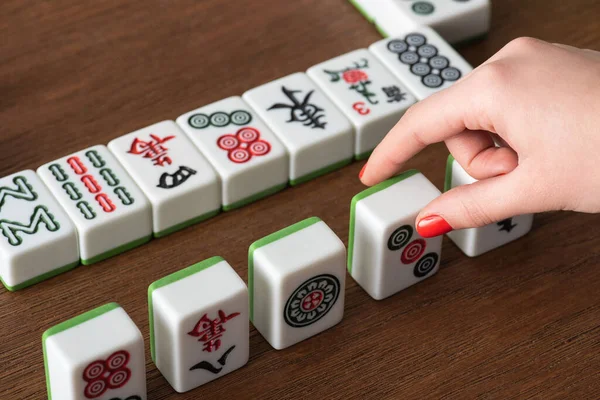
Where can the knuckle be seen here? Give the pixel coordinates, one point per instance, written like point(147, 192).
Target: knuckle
point(418, 139)
point(415, 135)
point(523, 44)
point(494, 81)
point(409, 114)
point(494, 74)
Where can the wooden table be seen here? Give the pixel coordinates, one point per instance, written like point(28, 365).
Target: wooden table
point(519, 322)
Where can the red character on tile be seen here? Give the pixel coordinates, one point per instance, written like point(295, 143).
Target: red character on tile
point(153, 149)
point(209, 331)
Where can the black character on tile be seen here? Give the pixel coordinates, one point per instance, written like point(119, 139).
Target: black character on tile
point(394, 94)
point(506, 225)
point(170, 181)
point(303, 111)
point(211, 368)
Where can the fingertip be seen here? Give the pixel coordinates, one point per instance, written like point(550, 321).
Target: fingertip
point(362, 171)
point(361, 175)
point(432, 226)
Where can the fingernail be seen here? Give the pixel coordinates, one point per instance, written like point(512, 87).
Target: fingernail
point(431, 226)
point(362, 171)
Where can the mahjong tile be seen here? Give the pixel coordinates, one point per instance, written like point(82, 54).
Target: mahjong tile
point(366, 92)
point(385, 15)
point(317, 136)
point(386, 254)
point(422, 60)
point(181, 185)
point(250, 160)
point(37, 238)
point(97, 355)
point(110, 212)
point(476, 241)
point(368, 8)
point(199, 329)
point(296, 281)
point(455, 20)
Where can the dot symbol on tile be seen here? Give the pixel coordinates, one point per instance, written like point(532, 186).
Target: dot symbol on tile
point(413, 251)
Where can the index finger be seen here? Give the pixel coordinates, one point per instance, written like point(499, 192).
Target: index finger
point(440, 116)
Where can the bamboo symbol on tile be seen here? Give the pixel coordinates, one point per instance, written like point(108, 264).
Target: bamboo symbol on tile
point(95, 158)
point(109, 177)
point(85, 209)
point(58, 172)
point(40, 216)
point(91, 184)
point(24, 191)
point(76, 165)
point(106, 203)
point(124, 196)
point(72, 191)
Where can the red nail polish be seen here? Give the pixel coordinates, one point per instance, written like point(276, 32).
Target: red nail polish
point(362, 171)
point(431, 226)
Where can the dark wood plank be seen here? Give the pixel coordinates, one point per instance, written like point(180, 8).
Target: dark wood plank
point(519, 322)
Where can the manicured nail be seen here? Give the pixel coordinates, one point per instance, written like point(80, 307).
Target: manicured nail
point(362, 171)
point(432, 226)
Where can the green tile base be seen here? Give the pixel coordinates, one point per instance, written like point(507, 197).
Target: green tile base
point(363, 156)
point(185, 224)
point(40, 278)
point(381, 31)
point(320, 172)
point(254, 197)
point(361, 10)
point(174, 277)
point(364, 194)
point(63, 326)
point(117, 250)
point(448, 177)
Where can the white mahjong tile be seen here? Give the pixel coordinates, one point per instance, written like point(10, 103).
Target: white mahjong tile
point(37, 238)
point(317, 136)
point(385, 15)
point(422, 60)
point(455, 20)
point(250, 160)
point(386, 254)
point(368, 8)
point(296, 282)
point(97, 355)
point(366, 92)
point(110, 212)
point(199, 328)
point(180, 183)
point(476, 241)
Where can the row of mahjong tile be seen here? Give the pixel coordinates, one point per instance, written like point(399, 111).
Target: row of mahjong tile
point(198, 316)
point(457, 21)
point(154, 181)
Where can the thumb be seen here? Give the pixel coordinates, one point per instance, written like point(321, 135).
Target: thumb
point(478, 204)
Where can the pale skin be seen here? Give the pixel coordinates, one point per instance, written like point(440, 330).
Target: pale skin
point(541, 102)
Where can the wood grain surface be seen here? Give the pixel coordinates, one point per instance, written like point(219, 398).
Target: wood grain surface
point(522, 321)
